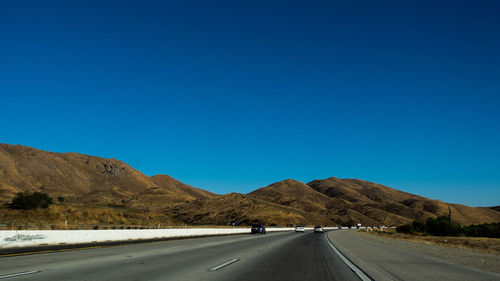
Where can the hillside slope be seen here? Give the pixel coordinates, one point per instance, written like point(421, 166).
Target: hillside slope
point(109, 191)
point(382, 203)
point(83, 178)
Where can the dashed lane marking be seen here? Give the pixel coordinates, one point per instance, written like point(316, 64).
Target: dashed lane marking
point(18, 274)
point(223, 265)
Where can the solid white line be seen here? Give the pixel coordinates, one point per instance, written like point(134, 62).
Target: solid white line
point(17, 274)
point(224, 264)
point(353, 267)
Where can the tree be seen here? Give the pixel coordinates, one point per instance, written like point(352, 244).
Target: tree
point(406, 228)
point(27, 201)
point(442, 227)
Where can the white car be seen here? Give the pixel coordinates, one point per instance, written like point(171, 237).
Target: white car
point(318, 229)
point(300, 228)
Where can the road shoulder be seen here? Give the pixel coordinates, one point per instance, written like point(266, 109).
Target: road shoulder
point(387, 259)
point(468, 257)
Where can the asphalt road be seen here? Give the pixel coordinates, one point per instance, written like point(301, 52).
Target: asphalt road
point(275, 256)
point(382, 260)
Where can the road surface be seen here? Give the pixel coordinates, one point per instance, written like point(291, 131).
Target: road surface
point(274, 256)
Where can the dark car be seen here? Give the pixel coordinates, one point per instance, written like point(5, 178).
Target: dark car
point(318, 229)
point(258, 228)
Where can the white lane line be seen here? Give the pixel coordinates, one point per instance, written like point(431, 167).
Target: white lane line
point(224, 264)
point(353, 267)
point(18, 274)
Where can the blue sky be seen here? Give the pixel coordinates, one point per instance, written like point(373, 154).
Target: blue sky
point(230, 96)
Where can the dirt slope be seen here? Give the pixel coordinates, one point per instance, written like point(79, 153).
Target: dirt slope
point(115, 190)
point(83, 178)
point(383, 203)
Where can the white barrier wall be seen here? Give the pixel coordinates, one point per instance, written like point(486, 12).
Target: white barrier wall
point(27, 238)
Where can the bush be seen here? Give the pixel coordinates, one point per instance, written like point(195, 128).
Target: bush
point(491, 230)
point(406, 228)
point(419, 226)
point(60, 199)
point(26, 201)
point(412, 228)
point(442, 226)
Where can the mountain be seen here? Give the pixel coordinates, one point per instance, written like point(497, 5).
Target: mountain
point(243, 208)
point(330, 201)
point(176, 186)
point(391, 206)
point(100, 190)
point(82, 178)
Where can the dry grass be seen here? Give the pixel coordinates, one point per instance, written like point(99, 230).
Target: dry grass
point(65, 216)
point(488, 245)
point(72, 217)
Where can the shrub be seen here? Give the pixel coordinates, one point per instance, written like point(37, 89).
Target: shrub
point(60, 198)
point(406, 228)
point(491, 230)
point(27, 201)
point(419, 226)
point(442, 226)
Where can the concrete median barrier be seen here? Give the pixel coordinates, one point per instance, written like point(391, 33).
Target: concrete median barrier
point(31, 238)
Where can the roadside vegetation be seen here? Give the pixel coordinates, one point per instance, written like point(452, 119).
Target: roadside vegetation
point(443, 231)
point(487, 245)
point(30, 201)
point(443, 226)
point(39, 211)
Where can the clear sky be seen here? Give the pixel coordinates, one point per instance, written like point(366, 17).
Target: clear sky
point(232, 95)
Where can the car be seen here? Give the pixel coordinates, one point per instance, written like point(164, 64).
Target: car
point(258, 228)
point(300, 228)
point(318, 229)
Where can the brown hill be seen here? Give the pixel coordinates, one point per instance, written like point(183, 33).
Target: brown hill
point(176, 186)
point(245, 209)
point(331, 201)
point(390, 206)
point(109, 191)
point(496, 208)
point(84, 178)
point(294, 194)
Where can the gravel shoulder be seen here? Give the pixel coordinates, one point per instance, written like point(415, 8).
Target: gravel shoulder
point(389, 259)
point(477, 259)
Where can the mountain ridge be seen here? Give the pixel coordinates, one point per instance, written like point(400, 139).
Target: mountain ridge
point(85, 180)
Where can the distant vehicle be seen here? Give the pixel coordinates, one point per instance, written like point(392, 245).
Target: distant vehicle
point(318, 229)
point(300, 228)
point(233, 223)
point(258, 228)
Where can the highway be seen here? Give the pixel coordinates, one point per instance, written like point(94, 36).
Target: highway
point(274, 256)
